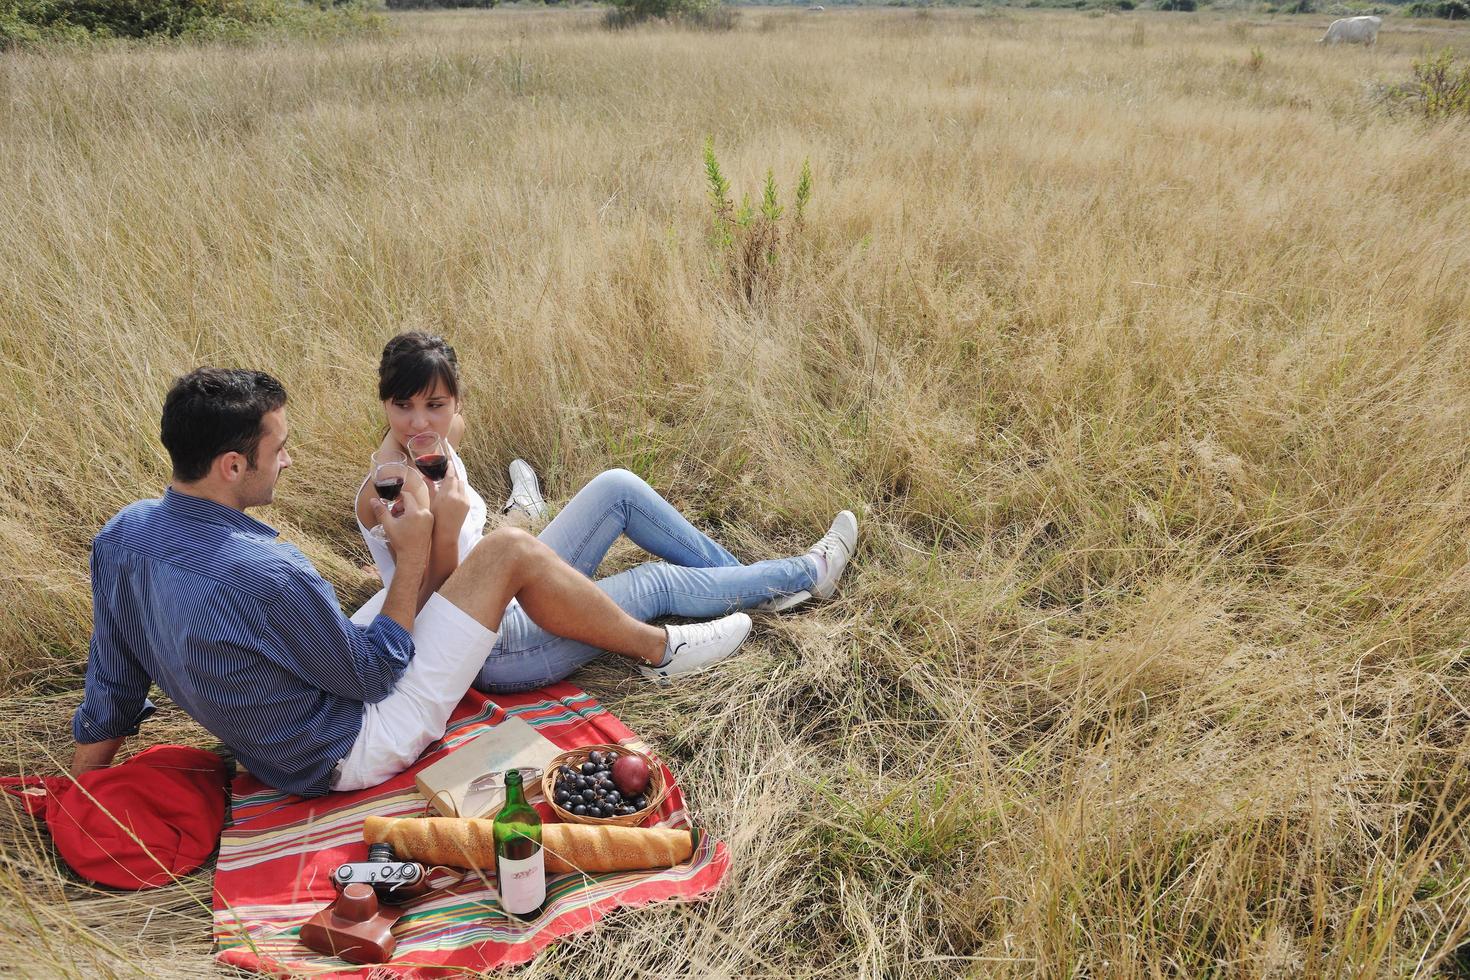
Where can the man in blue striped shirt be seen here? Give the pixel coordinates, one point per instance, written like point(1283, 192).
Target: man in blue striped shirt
point(237, 627)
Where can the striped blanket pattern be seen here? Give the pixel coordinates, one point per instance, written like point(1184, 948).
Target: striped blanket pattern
point(276, 857)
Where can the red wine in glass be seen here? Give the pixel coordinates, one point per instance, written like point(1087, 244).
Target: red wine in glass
point(435, 466)
point(390, 470)
point(430, 453)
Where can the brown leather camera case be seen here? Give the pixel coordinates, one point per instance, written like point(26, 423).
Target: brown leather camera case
point(355, 927)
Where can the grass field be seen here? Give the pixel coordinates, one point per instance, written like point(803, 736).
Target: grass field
point(1143, 360)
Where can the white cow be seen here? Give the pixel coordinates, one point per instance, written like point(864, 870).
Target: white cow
point(1352, 30)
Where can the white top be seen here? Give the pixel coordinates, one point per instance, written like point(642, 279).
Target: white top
point(469, 536)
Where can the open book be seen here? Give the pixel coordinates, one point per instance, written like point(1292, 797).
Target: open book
point(457, 785)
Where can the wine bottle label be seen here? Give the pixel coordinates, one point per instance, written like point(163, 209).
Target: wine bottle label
point(523, 883)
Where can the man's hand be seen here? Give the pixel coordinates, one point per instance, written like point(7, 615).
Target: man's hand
point(408, 522)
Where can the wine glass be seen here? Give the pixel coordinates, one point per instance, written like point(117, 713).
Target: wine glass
point(430, 453)
point(389, 473)
point(389, 477)
point(386, 456)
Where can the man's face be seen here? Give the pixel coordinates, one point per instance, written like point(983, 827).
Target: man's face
point(257, 486)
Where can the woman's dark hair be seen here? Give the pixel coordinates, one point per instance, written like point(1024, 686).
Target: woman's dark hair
point(412, 362)
point(212, 411)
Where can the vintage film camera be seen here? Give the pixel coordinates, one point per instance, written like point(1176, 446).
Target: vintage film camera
point(358, 925)
point(394, 881)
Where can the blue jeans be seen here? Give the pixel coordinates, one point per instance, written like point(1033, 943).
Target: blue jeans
point(697, 578)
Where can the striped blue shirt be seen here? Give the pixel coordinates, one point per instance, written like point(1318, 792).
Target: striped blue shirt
point(240, 631)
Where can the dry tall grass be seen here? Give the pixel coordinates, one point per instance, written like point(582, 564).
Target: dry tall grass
point(1146, 367)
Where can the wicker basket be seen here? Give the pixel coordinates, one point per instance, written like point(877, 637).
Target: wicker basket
point(657, 792)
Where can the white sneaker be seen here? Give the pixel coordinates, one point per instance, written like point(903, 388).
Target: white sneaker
point(525, 491)
point(700, 646)
point(836, 549)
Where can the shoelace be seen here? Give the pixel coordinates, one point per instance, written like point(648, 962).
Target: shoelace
point(700, 633)
point(830, 541)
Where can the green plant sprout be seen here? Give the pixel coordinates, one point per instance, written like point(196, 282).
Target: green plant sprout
point(750, 240)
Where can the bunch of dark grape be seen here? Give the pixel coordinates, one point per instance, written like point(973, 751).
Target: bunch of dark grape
point(588, 790)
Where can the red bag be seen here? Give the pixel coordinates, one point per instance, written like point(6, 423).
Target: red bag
point(135, 825)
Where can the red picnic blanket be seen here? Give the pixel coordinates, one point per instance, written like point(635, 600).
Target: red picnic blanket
point(276, 858)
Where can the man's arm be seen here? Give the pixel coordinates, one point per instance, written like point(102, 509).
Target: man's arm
point(411, 535)
point(304, 631)
point(97, 755)
point(115, 698)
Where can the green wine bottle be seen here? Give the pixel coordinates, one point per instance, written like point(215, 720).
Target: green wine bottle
point(520, 866)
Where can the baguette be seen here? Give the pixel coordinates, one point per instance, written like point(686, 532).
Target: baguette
point(469, 843)
point(578, 847)
point(452, 841)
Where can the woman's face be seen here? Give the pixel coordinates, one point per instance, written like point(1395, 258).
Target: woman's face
point(432, 409)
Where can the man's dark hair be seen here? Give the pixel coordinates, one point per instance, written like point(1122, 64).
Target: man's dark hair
point(212, 411)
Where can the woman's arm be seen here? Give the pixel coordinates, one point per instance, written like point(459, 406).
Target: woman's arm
point(364, 505)
point(456, 431)
point(443, 560)
point(449, 502)
point(451, 505)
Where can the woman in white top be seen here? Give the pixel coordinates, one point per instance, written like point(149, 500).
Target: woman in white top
point(418, 383)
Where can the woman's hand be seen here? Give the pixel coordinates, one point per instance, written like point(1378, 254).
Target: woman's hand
point(450, 504)
point(414, 481)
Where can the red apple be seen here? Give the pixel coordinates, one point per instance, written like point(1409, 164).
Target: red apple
point(630, 773)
